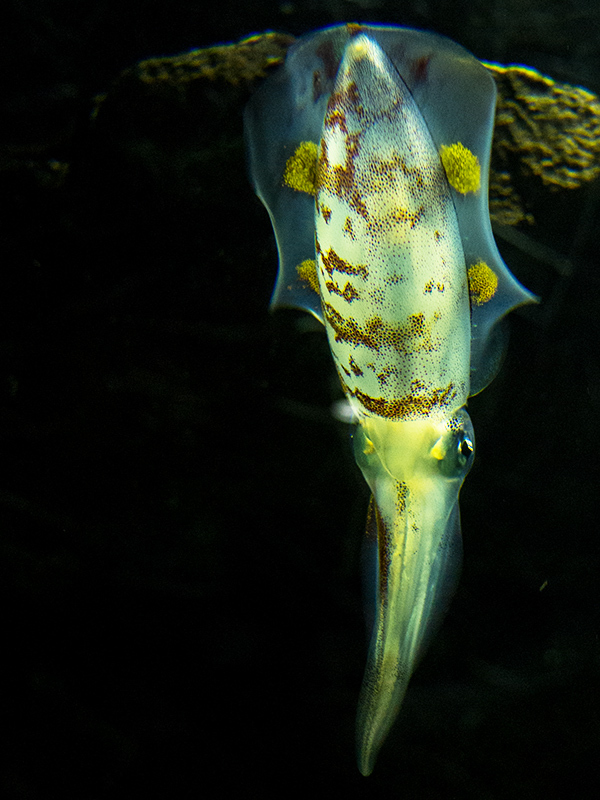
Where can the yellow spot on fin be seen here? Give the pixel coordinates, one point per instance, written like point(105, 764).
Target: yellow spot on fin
point(301, 168)
point(483, 283)
point(462, 167)
point(307, 271)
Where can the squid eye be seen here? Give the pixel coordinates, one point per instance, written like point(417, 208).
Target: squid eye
point(458, 447)
point(465, 451)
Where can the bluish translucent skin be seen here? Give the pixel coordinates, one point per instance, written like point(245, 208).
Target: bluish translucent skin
point(391, 242)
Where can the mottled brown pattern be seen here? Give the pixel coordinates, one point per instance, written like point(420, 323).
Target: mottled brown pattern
point(410, 336)
point(401, 496)
point(376, 523)
point(349, 293)
point(355, 368)
point(414, 176)
point(383, 223)
point(352, 96)
point(403, 215)
point(339, 180)
point(384, 170)
point(332, 263)
point(385, 374)
point(407, 406)
point(357, 204)
point(431, 285)
point(383, 553)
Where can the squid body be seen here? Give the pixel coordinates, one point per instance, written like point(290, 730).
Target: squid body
point(370, 149)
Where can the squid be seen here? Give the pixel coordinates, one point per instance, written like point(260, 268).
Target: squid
point(370, 149)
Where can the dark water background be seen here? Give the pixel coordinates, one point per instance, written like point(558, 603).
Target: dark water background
point(180, 516)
